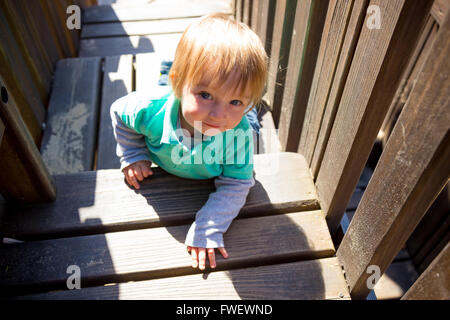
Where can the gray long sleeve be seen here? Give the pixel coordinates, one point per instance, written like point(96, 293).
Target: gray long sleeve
point(214, 218)
point(131, 145)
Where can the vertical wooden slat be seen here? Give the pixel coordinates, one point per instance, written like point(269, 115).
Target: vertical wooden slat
point(348, 49)
point(408, 79)
point(23, 175)
point(238, 10)
point(434, 282)
point(331, 44)
point(410, 173)
point(440, 9)
point(309, 20)
point(379, 59)
point(15, 76)
point(279, 55)
point(247, 12)
point(266, 20)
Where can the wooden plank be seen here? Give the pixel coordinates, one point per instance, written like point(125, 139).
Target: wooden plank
point(16, 78)
point(348, 49)
point(317, 279)
point(68, 144)
point(160, 252)
point(164, 44)
point(136, 28)
point(431, 229)
point(56, 26)
point(117, 82)
point(23, 175)
point(100, 201)
point(397, 279)
point(157, 10)
point(279, 57)
point(370, 86)
point(331, 44)
point(409, 78)
point(308, 26)
point(439, 10)
point(410, 173)
point(434, 282)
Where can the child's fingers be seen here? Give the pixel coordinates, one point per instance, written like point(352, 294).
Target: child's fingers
point(201, 258)
point(132, 179)
point(212, 257)
point(223, 252)
point(145, 168)
point(194, 257)
point(138, 173)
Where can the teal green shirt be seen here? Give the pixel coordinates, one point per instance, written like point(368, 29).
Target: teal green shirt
point(229, 153)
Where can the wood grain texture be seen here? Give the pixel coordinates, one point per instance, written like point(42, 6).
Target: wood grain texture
point(100, 201)
point(117, 82)
point(2, 130)
point(308, 25)
point(317, 279)
point(411, 172)
point(348, 49)
point(136, 28)
point(157, 10)
point(397, 279)
point(434, 282)
point(160, 252)
point(279, 55)
point(378, 62)
point(69, 141)
point(23, 174)
point(439, 9)
point(332, 40)
point(164, 44)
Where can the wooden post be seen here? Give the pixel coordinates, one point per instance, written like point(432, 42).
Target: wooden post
point(23, 175)
point(410, 174)
point(380, 56)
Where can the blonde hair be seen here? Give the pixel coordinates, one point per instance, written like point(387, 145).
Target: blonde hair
point(218, 48)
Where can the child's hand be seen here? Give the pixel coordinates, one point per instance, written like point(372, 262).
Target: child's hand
point(137, 171)
point(199, 256)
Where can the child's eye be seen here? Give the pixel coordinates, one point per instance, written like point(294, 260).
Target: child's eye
point(205, 95)
point(237, 103)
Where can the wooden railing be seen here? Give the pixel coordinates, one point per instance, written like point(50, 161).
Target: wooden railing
point(337, 69)
point(34, 36)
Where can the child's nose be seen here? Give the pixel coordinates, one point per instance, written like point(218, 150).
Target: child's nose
point(219, 111)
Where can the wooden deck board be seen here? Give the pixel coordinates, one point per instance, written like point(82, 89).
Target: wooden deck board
point(135, 28)
point(158, 10)
point(161, 43)
point(316, 279)
point(68, 144)
point(100, 201)
point(160, 252)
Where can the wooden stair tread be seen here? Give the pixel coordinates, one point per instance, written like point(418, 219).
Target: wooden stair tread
point(160, 252)
point(111, 46)
point(157, 10)
point(68, 143)
point(100, 201)
point(316, 279)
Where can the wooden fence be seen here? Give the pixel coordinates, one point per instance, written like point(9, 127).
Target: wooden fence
point(341, 71)
point(34, 36)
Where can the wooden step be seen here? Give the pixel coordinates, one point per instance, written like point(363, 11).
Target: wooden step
point(160, 252)
point(135, 28)
point(156, 10)
point(69, 139)
point(100, 201)
point(316, 279)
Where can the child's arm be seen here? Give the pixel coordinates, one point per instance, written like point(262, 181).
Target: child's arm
point(214, 218)
point(131, 149)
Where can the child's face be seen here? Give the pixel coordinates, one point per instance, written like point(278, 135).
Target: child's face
point(217, 108)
